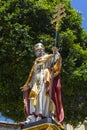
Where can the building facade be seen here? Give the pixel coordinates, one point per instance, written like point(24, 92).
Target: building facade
point(80, 127)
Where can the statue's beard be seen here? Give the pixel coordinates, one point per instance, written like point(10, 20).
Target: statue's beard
point(39, 53)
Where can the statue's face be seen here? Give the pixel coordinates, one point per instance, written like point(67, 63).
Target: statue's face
point(39, 49)
point(39, 52)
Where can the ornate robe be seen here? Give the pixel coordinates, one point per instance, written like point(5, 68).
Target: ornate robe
point(37, 99)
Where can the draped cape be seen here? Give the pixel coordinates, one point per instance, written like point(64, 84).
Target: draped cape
point(56, 97)
point(56, 88)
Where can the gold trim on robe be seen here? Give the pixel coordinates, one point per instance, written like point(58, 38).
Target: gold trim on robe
point(40, 61)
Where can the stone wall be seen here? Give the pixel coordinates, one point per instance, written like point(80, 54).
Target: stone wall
point(9, 126)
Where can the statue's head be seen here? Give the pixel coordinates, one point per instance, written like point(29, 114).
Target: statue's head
point(39, 49)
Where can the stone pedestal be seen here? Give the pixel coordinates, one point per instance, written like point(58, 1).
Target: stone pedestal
point(44, 124)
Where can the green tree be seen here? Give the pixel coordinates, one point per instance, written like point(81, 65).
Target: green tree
point(26, 22)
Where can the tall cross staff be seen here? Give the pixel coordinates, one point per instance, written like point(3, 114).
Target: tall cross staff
point(60, 13)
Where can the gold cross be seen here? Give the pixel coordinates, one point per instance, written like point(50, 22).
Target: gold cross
point(60, 13)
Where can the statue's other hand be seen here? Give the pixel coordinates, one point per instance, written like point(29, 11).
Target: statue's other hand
point(24, 88)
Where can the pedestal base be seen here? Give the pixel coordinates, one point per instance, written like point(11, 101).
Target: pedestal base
point(44, 124)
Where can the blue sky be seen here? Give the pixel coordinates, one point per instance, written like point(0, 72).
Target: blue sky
point(2, 118)
point(81, 5)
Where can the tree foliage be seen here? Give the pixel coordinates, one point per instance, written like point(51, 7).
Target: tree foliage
point(26, 22)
